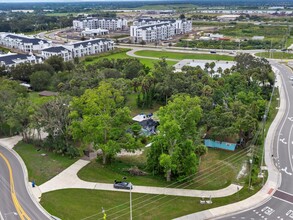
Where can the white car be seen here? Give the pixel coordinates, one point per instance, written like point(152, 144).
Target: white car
point(291, 78)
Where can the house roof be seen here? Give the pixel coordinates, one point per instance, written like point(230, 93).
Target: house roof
point(57, 49)
point(25, 39)
point(144, 27)
point(87, 42)
point(9, 59)
point(159, 20)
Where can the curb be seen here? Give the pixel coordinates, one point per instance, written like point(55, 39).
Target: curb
point(29, 190)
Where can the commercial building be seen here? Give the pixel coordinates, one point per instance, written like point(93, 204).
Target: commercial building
point(13, 59)
point(151, 30)
point(23, 43)
point(79, 49)
point(103, 23)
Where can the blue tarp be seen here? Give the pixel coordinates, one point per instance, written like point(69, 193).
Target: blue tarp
point(219, 144)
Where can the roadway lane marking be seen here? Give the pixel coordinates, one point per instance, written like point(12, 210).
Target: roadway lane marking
point(21, 213)
point(290, 214)
point(268, 210)
point(283, 141)
point(285, 192)
point(285, 170)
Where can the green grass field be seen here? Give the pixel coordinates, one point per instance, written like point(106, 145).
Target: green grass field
point(38, 100)
point(204, 179)
point(181, 56)
point(275, 55)
point(76, 204)
point(123, 55)
point(42, 168)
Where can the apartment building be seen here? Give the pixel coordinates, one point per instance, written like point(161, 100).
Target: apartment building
point(79, 49)
point(103, 23)
point(182, 26)
point(64, 52)
point(23, 43)
point(13, 59)
point(151, 30)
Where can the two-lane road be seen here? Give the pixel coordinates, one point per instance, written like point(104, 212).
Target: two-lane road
point(280, 205)
point(15, 200)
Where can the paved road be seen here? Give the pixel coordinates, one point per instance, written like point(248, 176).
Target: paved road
point(15, 202)
point(280, 206)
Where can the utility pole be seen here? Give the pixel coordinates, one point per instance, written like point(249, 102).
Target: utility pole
point(130, 201)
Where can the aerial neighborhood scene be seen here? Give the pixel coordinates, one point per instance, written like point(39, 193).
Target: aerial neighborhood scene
point(151, 110)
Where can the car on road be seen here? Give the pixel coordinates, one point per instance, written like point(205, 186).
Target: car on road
point(122, 185)
point(291, 78)
point(212, 51)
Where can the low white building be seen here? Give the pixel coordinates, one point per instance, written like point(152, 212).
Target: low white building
point(111, 24)
point(79, 49)
point(94, 32)
point(13, 59)
point(23, 43)
point(151, 30)
point(258, 38)
point(226, 18)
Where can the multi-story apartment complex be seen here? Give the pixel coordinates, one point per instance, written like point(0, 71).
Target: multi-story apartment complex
point(13, 59)
point(79, 49)
point(103, 23)
point(152, 30)
point(23, 43)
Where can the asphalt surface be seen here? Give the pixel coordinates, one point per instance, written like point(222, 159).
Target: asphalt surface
point(280, 205)
point(15, 203)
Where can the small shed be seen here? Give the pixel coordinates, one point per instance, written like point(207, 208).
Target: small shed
point(220, 144)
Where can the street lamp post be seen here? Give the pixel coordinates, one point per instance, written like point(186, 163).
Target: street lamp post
point(130, 198)
point(130, 201)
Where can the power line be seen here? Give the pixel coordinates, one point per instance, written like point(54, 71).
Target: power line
point(215, 166)
point(183, 185)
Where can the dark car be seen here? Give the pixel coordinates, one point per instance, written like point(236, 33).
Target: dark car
point(122, 185)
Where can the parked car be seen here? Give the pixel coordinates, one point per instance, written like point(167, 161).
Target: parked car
point(122, 185)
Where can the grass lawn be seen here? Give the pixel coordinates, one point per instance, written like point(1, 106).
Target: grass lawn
point(204, 179)
point(39, 100)
point(181, 56)
point(42, 168)
point(76, 204)
point(123, 55)
point(276, 55)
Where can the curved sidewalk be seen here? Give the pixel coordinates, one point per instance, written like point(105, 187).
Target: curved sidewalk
point(69, 179)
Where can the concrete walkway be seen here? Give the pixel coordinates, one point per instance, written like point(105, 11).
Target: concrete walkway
point(69, 179)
